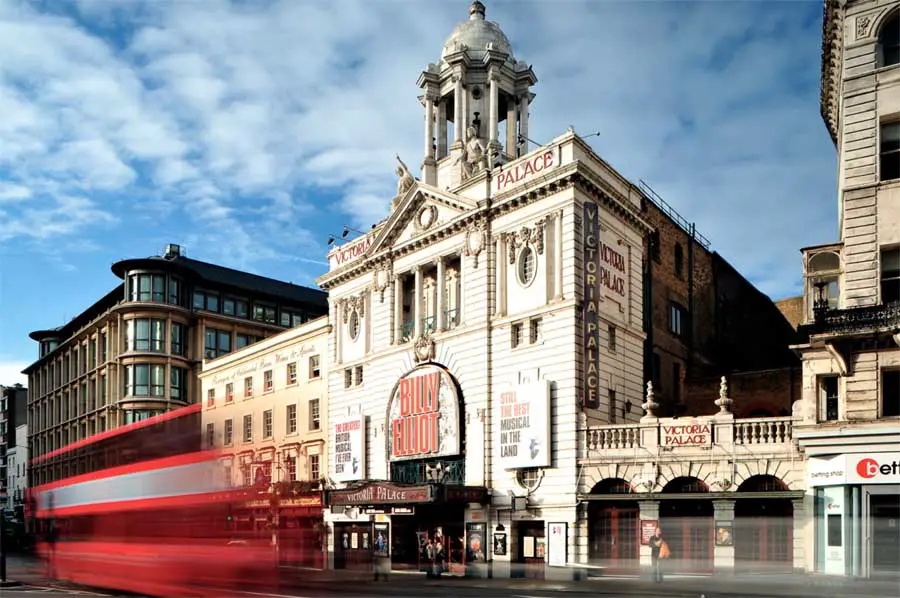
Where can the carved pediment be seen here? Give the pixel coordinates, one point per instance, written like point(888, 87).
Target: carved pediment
point(420, 211)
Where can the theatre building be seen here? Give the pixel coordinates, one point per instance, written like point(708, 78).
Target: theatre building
point(478, 329)
point(265, 408)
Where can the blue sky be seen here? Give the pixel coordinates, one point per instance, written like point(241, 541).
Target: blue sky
point(247, 131)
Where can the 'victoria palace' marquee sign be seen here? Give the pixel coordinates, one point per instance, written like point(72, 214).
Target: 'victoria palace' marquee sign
point(423, 418)
point(605, 275)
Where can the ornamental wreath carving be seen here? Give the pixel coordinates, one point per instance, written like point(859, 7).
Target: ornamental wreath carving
point(474, 243)
point(354, 303)
point(533, 235)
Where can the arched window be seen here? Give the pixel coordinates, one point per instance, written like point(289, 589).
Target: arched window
point(823, 274)
point(889, 41)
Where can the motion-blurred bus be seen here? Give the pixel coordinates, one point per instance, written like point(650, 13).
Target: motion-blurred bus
point(143, 509)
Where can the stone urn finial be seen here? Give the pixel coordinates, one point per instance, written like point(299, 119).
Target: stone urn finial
point(650, 405)
point(724, 402)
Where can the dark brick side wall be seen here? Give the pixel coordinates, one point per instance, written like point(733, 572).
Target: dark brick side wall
point(755, 394)
point(792, 310)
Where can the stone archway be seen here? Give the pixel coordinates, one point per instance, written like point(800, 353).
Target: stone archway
point(613, 526)
point(687, 525)
point(764, 527)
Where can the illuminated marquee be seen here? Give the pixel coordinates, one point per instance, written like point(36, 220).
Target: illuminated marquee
point(423, 419)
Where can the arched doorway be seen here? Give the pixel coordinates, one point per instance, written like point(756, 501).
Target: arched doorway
point(613, 527)
point(687, 526)
point(764, 527)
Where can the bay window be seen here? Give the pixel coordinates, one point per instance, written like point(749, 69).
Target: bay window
point(146, 334)
point(145, 380)
point(178, 385)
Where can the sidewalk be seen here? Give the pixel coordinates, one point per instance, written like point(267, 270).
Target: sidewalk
point(770, 586)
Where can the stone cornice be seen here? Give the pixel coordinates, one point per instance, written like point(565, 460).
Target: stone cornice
point(832, 49)
point(575, 174)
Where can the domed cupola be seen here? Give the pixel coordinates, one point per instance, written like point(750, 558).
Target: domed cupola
point(481, 88)
point(477, 35)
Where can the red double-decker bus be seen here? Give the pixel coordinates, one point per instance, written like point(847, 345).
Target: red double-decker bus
point(144, 509)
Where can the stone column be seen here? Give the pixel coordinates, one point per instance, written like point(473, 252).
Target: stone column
point(511, 132)
point(458, 118)
point(558, 254)
point(650, 513)
point(429, 174)
point(417, 302)
point(398, 308)
point(494, 109)
point(523, 124)
point(338, 331)
point(442, 129)
point(501, 274)
point(723, 561)
point(441, 283)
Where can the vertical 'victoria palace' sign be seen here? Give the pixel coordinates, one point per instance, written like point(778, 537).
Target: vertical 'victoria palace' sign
point(591, 319)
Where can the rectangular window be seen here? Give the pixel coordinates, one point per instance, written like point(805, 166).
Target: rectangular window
point(211, 397)
point(359, 375)
point(178, 390)
point(229, 432)
point(218, 343)
point(228, 306)
point(290, 464)
point(890, 151)
point(828, 398)
point(174, 291)
point(264, 313)
point(291, 419)
point(229, 392)
point(314, 468)
point(268, 381)
point(890, 393)
point(535, 330)
point(515, 335)
point(314, 368)
point(612, 338)
point(145, 380)
point(179, 346)
point(348, 378)
point(248, 428)
point(292, 373)
point(248, 386)
point(210, 435)
point(244, 340)
point(890, 275)
point(314, 422)
point(267, 423)
point(676, 319)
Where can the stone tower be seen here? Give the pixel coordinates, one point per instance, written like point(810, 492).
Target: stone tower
point(479, 87)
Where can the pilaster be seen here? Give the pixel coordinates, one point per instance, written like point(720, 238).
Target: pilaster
point(723, 556)
point(649, 513)
point(441, 292)
point(417, 301)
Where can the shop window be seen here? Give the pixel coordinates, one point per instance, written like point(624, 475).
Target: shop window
point(890, 393)
point(828, 398)
point(889, 152)
point(890, 275)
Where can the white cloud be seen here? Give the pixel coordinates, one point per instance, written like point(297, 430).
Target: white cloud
point(11, 372)
point(239, 115)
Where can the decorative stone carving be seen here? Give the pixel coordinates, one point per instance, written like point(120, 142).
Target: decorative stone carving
point(382, 276)
point(353, 303)
point(723, 402)
point(474, 243)
point(862, 26)
point(720, 485)
point(425, 218)
point(650, 405)
point(473, 158)
point(534, 235)
point(423, 348)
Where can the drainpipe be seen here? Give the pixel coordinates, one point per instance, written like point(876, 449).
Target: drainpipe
point(690, 339)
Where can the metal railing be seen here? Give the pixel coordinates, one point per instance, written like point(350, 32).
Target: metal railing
point(872, 318)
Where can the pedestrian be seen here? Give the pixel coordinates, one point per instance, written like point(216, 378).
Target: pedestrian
point(659, 551)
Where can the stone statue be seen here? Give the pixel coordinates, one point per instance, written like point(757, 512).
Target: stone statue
point(473, 157)
point(405, 181)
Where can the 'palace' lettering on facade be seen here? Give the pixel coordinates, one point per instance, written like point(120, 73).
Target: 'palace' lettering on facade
point(522, 171)
point(415, 432)
point(608, 278)
point(591, 307)
point(688, 435)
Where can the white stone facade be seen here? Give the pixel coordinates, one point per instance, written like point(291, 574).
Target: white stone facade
point(266, 407)
point(850, 407)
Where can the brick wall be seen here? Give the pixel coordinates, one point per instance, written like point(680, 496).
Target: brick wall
point(755, 394)
point(792, 309)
